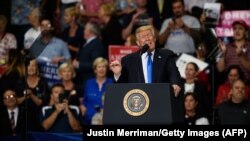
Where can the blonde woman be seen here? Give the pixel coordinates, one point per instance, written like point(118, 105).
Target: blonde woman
point(73, 33)
point(73, 92)
point(95, 88)
point(112, 30)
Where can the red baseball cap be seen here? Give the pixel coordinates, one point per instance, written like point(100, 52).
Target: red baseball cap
point(241, 22)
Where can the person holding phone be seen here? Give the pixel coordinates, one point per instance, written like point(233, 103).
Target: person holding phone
point(59, 117)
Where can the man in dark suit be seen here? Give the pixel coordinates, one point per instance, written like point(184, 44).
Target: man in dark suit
point(92, 49)
point(134, 67)
point(11, 126)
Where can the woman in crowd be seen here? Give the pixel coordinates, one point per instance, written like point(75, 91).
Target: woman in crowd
point(192, 115)
point(35, 90)
point(191, 85)
point(233, 73)
point(112, 30)
point(73, 34)
point(7, 42)
point(72, 91)
point(14, 72)
point(95, 88)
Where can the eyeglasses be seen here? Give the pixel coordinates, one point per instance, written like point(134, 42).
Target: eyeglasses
point(46, 25)
point(9, 97)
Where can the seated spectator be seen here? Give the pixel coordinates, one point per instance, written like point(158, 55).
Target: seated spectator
point(13, 118)
point(59, 117)
point(97, 118)
point(32, 91)
point(233, 73)
point(235, 111)
point(95, 88)
point(73, 91)
point(14, 72)
point(192, 116)
point(191, 85)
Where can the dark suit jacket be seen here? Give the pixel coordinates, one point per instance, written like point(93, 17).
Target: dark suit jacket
point(5, 126)
point(164, 68)
point(86, 56)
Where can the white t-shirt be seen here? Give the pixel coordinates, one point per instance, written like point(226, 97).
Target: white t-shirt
point(30, 36)
point(179, 41)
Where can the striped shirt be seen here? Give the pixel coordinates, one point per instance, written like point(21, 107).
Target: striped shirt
point(232, 58)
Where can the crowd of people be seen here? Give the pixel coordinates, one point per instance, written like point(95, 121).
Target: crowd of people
point(75, 37)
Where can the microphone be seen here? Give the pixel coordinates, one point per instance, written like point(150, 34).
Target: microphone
point(144, 49)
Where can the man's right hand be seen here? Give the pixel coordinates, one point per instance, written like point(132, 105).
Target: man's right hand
point(116, 67)
point(59, 107)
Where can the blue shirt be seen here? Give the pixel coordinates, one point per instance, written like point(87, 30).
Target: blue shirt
point(92, 98)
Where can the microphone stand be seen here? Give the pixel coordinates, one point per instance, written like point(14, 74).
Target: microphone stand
point(26, 60)
point(212, 60)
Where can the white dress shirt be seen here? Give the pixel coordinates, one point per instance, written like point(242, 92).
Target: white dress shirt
point(16, 110)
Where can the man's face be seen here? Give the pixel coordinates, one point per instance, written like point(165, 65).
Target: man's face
point(146, 37)
point(46, 27)
point(239, 32)
point(10, 99)
point(238, 91)
point(56, 91)
point(178, 9)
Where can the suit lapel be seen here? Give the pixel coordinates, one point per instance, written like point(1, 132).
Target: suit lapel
point(156, 66)
point(140, 73)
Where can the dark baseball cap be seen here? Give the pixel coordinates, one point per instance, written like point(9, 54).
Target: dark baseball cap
point(241, 22)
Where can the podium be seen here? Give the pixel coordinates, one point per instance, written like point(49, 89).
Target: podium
point(142, 104)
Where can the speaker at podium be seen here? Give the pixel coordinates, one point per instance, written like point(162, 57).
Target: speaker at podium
point(142, 104)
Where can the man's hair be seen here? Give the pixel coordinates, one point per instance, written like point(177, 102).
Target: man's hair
point(94, 28)
point(175, 1)
point(144, 28)
point(56, 85)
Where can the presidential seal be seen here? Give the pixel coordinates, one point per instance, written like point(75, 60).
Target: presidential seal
point(136, 102)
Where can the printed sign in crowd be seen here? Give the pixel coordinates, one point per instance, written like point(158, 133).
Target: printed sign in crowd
point(224, 29)
point(116, 52)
